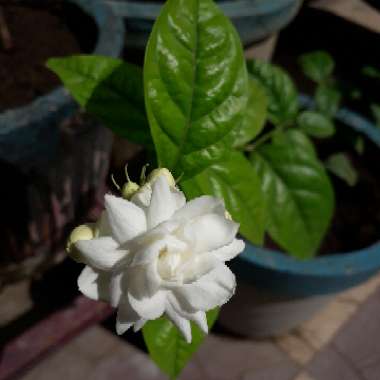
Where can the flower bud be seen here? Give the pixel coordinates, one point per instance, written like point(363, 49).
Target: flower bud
point(129, 190)
point(162, 171)
point(83, 232)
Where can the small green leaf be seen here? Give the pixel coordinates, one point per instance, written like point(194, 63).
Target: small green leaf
point(375, 108)
point(340, 165)
point(235, 181)
point(281, 91)
point(327, 100)
point(254, 116)
point(298, 193)
point(109, 89)
point(359, 145)
point(196, 85)
point(315, 124)
point(371, 72)
point(317, 65)
point(167, 347)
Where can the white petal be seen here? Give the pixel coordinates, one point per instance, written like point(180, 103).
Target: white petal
point(126, 219)
point(143, 196)
point(211, 290)
point(115, 288)
point(229, 251)
point(209, 232)
point(103, 225)
point(139, 325)
point(179, 198)
point(143, 280)
point(182, 324)
point(126, 317)
point(200, 319)
point(163, 203)
point(94, 285)
point(101, 253)
point(150, 307)
point(200, 206)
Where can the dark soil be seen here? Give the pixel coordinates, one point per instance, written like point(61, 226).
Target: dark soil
point(39, 33)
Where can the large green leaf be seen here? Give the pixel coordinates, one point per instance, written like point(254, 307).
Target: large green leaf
point(254, 117)
point(109, 89)
point(315, 124)
point(196, 85)
point(167, 347)
point(298, 193)
point(281, 91)
point(317, 65)
point(235, 181)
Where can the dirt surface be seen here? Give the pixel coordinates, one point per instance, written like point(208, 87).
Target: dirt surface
point(39, 33)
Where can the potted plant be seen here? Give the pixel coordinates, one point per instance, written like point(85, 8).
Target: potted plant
point(42, 137)
point(204, 116)
point(253, 19)
point(280, 291)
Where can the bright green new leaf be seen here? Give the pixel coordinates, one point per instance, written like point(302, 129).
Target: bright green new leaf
point(315, 124)
point(235, 181)
point(317, 65)
point(281, 91)
point(298, 193)
point(167, 347)
point(254, 116)
point(340, 165)
point(109, 89)
point(327, 100)
point(196, 85)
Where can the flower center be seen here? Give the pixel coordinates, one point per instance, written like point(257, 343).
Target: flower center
point(168, 263)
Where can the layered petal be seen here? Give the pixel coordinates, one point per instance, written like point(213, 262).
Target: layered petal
point(182, 323)
point(149, 307)
point(101, 253)
point(211, 290)
point(163, 204)
point(126, 317)
point(229, 251)
point(126, 220)
point(209, 232)
point(94, 284)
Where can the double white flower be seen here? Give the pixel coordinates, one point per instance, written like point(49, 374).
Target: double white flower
point(157, 254)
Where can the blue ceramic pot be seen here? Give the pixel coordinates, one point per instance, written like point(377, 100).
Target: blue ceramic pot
point(254, 19)
point(29, 134)
point(277, 292)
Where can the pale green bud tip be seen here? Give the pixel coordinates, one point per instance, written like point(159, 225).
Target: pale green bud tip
point(129, 190)
point(162, 171)
point(83, 232)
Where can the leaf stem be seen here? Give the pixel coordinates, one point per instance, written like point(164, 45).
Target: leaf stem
point(264, 138)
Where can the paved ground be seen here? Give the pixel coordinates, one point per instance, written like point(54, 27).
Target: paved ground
point(341, 343)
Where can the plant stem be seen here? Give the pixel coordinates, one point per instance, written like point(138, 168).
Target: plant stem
point(261, 140)
point(5, 35)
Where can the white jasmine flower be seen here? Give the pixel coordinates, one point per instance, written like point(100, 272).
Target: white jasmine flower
point(156, 254)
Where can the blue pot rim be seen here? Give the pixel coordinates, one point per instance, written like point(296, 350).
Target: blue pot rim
point(338, 264)
point(234, 9)
point(110, 42)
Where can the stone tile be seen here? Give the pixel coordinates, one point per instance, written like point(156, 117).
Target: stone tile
point(359, 341)
point(224, 358)
point(296, 347)
point(304, 376)
point(329, 365)
point(360, 293)
point(319, 330)
point(14, 301)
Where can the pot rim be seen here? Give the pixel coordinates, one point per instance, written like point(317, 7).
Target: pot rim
point(110, 43)
point(339, 264)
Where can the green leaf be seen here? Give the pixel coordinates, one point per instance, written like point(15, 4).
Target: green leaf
point(317, 65)
point(340, 165)
point(359, 145)
point(327, 99)
point(298, 193)
point(167, 347)
point(235, 181)
point(109, 89)
point(371, 72)
point(254, 116)
point(281, 91)
point(196, 85)
point(375, 108)
point(315, 124)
